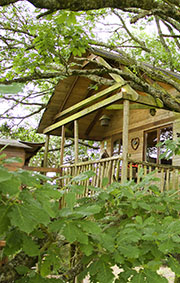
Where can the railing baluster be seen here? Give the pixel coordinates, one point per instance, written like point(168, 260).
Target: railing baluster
point(110, 171)
point(130, 171)
point(176, 179)
point(145, 170)
point(93, 168)
point(105, 169)
point(167, 179)
point(118, 170)
point(173, 179)
point(103, 166)
point(114, 165)
point(99, 174)
point(138, 171)
point(162, 180)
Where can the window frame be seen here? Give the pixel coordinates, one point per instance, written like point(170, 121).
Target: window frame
point(114, 139)
point(158, 129)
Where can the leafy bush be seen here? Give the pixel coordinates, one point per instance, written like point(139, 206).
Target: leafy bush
point(132, 226)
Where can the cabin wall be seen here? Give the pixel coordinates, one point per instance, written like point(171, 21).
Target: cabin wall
point(141, 121)
point(14, 152)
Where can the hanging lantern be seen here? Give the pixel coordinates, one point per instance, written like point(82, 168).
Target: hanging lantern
point(104, 120)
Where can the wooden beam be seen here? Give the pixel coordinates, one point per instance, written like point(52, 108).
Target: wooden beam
point(76, 147)
point(131, 106)
point(2, 243)
point(158, 101)
point(84, 112)
point(62, 145)
point(147, 100)
point(127, 88)
point(125, 141)
point(129, 92)
point(88, 100)
point(45, 161)
point(42, 169)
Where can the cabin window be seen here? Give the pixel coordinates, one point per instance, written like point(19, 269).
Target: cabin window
point(117, 147)
point(151, 152)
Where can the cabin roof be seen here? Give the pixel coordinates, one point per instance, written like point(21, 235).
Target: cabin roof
point(13, 143)
point(33, 148)
point(74, 89)
point(124, 60)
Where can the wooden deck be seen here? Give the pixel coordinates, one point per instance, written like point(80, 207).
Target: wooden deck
point(111, 168)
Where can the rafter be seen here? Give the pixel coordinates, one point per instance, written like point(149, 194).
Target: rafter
point(89, 100)
point(127, 88)
point(84, 112)
point(131, 106)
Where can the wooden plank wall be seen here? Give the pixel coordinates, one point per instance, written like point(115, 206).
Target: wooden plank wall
point(140, 121)
point(15, 152)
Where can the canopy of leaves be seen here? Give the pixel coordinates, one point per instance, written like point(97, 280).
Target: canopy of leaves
point(123, 225)
point(38, 37)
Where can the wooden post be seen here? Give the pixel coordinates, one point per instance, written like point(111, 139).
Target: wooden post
point(125, 140)
point(45, 162)
point(76, 140)
point(62, 145)
point(61, 181)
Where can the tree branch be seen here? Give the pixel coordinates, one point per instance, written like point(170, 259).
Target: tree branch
point(7, 2)
point(160, 7)
point(141, 43)
point(163, 42)
point(140, 15)
point(23, 117)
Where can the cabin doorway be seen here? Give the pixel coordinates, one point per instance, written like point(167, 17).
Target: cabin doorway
point(151, 138)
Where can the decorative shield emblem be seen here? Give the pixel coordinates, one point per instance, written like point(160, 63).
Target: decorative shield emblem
point(135, 143)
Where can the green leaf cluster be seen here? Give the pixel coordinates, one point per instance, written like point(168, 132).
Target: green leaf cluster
point(119, 225)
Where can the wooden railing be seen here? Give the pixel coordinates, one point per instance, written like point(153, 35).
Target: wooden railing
point(168, 176)
point(107, 167)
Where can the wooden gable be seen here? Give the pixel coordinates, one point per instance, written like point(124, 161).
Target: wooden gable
point(74, 98)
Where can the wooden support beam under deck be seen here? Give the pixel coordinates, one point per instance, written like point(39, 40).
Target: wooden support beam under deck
point(76, 147)
point(88, 100)
point(84, 112)
point(45, 161)
point(62, 145)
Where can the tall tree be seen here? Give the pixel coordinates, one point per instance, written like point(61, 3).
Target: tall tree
point(37, 38)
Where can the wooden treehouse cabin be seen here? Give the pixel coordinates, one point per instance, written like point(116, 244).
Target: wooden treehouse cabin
point(123, 116)
point(21, 149)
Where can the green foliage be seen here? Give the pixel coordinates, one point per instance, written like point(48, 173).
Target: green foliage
point(121, 225)
point(170, 147)
point(36, 51)
point(13, 88)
